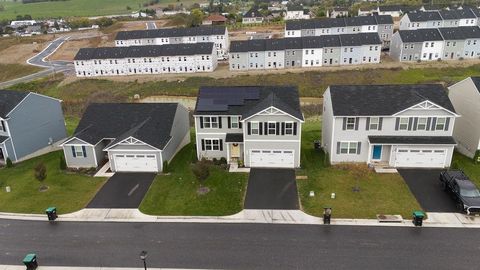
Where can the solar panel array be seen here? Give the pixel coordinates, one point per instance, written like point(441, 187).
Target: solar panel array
point(218, 99)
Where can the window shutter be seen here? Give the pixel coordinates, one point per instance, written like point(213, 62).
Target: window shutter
point(249, 128)
point(429, 121)
point(338, 147)
point(84, 151)
point(219, 122)
point(415, 121)
point(201, 121)
point(357, 121)
point(277, 127)
point(221, 144)
point(397, 123)
point(260, 128)
point(359, 148)
point(3, 126)
point(203, 145)
point(367, 126)
point(295, 128)
point(283, 128)
point(229, 122)
point(434, 123)
point(380, 123)
point(410, 123)
point(265, 128)
point(73, 151)
point(239, 123)
point(447, 123)
point(344, 125)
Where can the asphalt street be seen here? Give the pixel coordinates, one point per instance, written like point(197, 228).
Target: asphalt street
point(238, 246)
point(151, 25)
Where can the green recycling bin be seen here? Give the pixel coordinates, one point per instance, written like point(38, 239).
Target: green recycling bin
point(51, 213)
point(30, 261)
point(418, 217)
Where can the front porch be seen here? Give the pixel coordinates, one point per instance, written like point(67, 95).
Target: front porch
point(234, 142)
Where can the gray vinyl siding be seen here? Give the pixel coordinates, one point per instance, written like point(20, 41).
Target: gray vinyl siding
point(396, 46)
point(400, 53)
point(180, 133)
point(99, 153)
point(239, 61)
point(256, 60)
point(469, 48)
point(293, 56)
point(9, 153)
point(81, 162)
point(331, 56)
point(385, 31)
point(35, 122)
point(371, 56)
point(211, 154)
point(274, 59)
point(327, 122)
point(354, 53)
point(456, 50)
point(120, 152)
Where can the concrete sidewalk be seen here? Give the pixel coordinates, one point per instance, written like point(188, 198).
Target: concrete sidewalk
point(453, 220)
point(18, 267)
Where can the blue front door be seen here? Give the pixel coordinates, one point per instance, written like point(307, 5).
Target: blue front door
point(377, 152)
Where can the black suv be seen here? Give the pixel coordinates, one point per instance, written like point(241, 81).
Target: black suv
point(466, 194)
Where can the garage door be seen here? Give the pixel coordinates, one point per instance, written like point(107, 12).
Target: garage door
point(272, 158)
point(136, 163)
point(420, 158)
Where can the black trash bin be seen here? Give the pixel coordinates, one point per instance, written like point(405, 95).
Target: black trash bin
point(30, 261)
point(418, 218)
point(327, 214)
point(51, 213)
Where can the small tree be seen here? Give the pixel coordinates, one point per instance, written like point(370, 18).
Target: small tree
point(63, 164)
point(165, 167)
point(201, 170)
point(41, 173)
point(9, 163)
point(359, 171)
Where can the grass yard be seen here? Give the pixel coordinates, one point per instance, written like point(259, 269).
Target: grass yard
point(176, 194)
point(68, 192)
point(13, 71)
point(379, 193)
point(468, 166)
point(71, 124)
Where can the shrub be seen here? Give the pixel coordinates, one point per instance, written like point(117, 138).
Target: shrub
point(201, 170)
point(9, 163)
point(63, 164)
point(222, 161)
point(165, 167)
point(476, 158)
point(455, 165)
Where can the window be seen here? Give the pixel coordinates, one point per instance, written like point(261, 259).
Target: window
point(272, 128)
point(374, 123)
point(210, 122)
point(422, 123)
point(288, 128)
point(440, 125)
point(78, 151)
point(403, 124)
point(254, 128)
point(350, 123)
point(348, 147)
point(234, 122)
point(212, 144)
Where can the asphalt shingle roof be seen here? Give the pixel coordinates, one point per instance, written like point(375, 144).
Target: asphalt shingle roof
point(144, 51)
point(383, 100)
point(247, 100)
point(148, 122)
point(424, 16)
point(9, 99)
point(412, 139)
point(460, 33)
point(252, 13)
point(203, 30)
point(420, 35)
point(338, 22)
point(476, 81)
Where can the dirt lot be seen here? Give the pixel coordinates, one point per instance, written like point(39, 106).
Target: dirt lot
point(17, 50)
point(276, 31)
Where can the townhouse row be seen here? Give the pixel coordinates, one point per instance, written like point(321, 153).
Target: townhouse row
point(449, 43)
point(303, 52)
point(442, 18)
point(381, 24)
point(149, 59)
point(216, 34)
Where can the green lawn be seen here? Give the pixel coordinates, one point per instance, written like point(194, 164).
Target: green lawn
point(379, 193)
point(68, 192)
point(468, 166)
point(71, 124)
point(13, 71)
point(175, 194)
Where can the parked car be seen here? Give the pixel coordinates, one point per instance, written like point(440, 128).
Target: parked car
point(466, 194)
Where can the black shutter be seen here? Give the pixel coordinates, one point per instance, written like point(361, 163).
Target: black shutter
point(277, 127)
point(73, 151)
point(260, 128)
point(410, 123)
point(295, 128)
point(265, 128)
point(239, 123)
point(429, 121)
point(229, 122)
point(415, 121)
point(359, 148)
point(221, 144)
point(434, 123)
point(447, 122)
point(249, 128)
point(338, 147)
point(201, 121)
point(357, 121)
point(3, 126)
point(203, 145)
point(380, 123)
point(344, 125)
point(219, 122)
point(367, 126)
point(397, 123)
point(84, 151)
point(283, 128)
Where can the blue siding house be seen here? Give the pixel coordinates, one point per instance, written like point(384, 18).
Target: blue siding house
point(28, 122)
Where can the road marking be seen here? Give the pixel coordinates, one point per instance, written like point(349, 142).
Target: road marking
point(133, 190)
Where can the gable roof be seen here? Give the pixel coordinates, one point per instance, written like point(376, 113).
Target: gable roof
point(9, 100)
point(460, 33)
point(476, 81)
point(420, 35)
point(216, 18)
point(424, 16)
point(203, 30)
point(338, 22)
point(148, 122)
point(383, 100)
point(247, 100)
point(252, 13)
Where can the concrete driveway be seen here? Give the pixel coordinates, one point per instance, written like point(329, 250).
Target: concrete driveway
point(272, 189)
point(123, 190)
point(426, 187)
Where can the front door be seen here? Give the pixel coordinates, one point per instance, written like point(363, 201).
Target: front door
point(377, 152)
point(235, 151)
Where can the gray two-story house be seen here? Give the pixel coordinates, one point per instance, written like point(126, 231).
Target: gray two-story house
point(258, 126)
point(28, 122)
point(129, 137)
point(407, 126)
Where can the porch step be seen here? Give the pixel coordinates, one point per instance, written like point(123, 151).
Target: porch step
point(381, 169)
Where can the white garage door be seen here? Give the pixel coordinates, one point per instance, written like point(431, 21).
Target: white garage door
point(136, 163)
point(272, 158)
point(420, 158)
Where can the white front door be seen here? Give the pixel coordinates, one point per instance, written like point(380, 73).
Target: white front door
point(136, 163)
point(272, 158)
point(420, 158)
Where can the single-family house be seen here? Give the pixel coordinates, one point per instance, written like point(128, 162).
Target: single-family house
point(337, 12)
point(252, 16)
point(296, 12)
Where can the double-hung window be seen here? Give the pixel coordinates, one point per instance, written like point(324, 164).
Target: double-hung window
point(254, 128)
point(272, 128)
point(234, 122)
point(403, 123)
point(350, 123)
point(374, 123)
point(210, 122)
point(348, 147)
point(288, 128)
point(440, 125)
point(212, 144)
point(78, 151)
point(422, 123)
